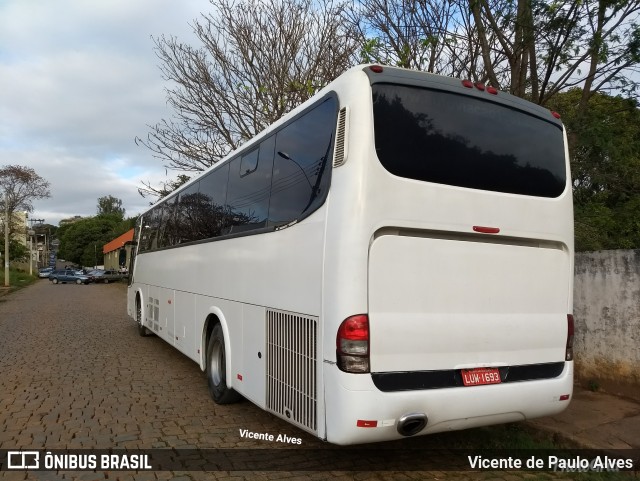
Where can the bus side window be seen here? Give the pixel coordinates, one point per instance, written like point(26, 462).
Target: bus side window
point(213, 188)
point(302, 164)
point(189, 214)
point(249, 188)
point(166, 231)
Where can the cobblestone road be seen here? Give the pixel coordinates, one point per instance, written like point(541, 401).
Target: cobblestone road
point(75, 375)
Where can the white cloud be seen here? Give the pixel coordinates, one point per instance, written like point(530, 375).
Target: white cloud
point(80, 82)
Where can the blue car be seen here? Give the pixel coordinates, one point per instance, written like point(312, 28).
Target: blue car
point(68, 275)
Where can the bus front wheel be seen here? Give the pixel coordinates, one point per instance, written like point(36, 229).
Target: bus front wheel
point(142, 330)
point(217, 369)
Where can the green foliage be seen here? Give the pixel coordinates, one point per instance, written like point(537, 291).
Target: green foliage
point(82, 242)
point(110, 205)
point(370, 51)
point(604, 145)
point(17, 251)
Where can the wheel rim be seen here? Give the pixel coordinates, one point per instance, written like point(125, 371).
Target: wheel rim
point(217, 363)
point(139, 314)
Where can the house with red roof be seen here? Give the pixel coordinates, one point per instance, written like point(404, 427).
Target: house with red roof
point(118, 251)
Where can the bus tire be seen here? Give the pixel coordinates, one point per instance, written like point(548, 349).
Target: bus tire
point(217, 369)
point(142, 330)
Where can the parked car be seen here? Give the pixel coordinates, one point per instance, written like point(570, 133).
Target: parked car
point(44, 272)
point(107, 276)
point(68, 275)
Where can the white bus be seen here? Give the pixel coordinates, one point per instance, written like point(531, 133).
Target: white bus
point(392, 258)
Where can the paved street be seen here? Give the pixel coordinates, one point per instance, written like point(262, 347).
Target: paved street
point(76, 375)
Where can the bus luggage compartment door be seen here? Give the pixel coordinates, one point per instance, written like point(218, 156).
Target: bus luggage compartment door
point(441, 304)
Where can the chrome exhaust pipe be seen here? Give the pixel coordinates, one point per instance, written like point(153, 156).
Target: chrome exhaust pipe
point(412, 424)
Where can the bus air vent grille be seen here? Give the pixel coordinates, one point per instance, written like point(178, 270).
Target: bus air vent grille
point(291, 367)
point(340, 155)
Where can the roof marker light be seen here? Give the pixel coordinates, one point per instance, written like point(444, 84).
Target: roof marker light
point(467, 83)
point(480, 86)
point(555, 114)
point(376, 68)
point(492, 90)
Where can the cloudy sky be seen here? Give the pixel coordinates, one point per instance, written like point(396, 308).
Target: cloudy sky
point(79, 80)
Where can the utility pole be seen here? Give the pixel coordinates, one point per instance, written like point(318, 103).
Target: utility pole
point(31, 233)
point(37, 224)
point(6, 242)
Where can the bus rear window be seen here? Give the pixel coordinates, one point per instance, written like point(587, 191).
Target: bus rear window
point(463, 141)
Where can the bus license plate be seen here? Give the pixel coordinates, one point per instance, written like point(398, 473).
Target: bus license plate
point(480, 376)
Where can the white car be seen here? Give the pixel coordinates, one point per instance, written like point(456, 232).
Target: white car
point(44, 272)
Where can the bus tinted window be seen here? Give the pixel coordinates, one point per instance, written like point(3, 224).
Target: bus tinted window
point(302, 164)
point(149, 231)
point(240, 196)
point(213, 188)
point(191, 214)
point(248, 188)
point(167, 230)
point(459, 140)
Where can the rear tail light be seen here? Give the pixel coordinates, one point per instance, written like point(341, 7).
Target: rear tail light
point(570, 333)
point(352, 344)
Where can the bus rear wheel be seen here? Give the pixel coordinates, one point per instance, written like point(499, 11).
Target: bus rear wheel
point(217, 369)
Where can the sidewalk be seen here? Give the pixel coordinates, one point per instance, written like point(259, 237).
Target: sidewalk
point(596, 420)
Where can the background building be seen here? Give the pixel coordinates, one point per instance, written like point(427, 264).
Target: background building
point(19, 222)
point(118, 252)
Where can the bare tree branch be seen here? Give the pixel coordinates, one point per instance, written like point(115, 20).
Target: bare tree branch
point(258, 60)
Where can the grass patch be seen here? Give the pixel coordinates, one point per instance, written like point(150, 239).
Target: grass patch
point(17, 280)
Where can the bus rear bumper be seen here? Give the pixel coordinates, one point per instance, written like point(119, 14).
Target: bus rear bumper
point(365, 415)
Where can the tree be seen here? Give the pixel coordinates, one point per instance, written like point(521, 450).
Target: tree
point(110, 205)
point(419, 34)
point(604, 145)
point(17, 250)
point(553, 46)
point(164, 189)
point(259, 60)
point(82, 242)
point(531, 48)
point(19, 186)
